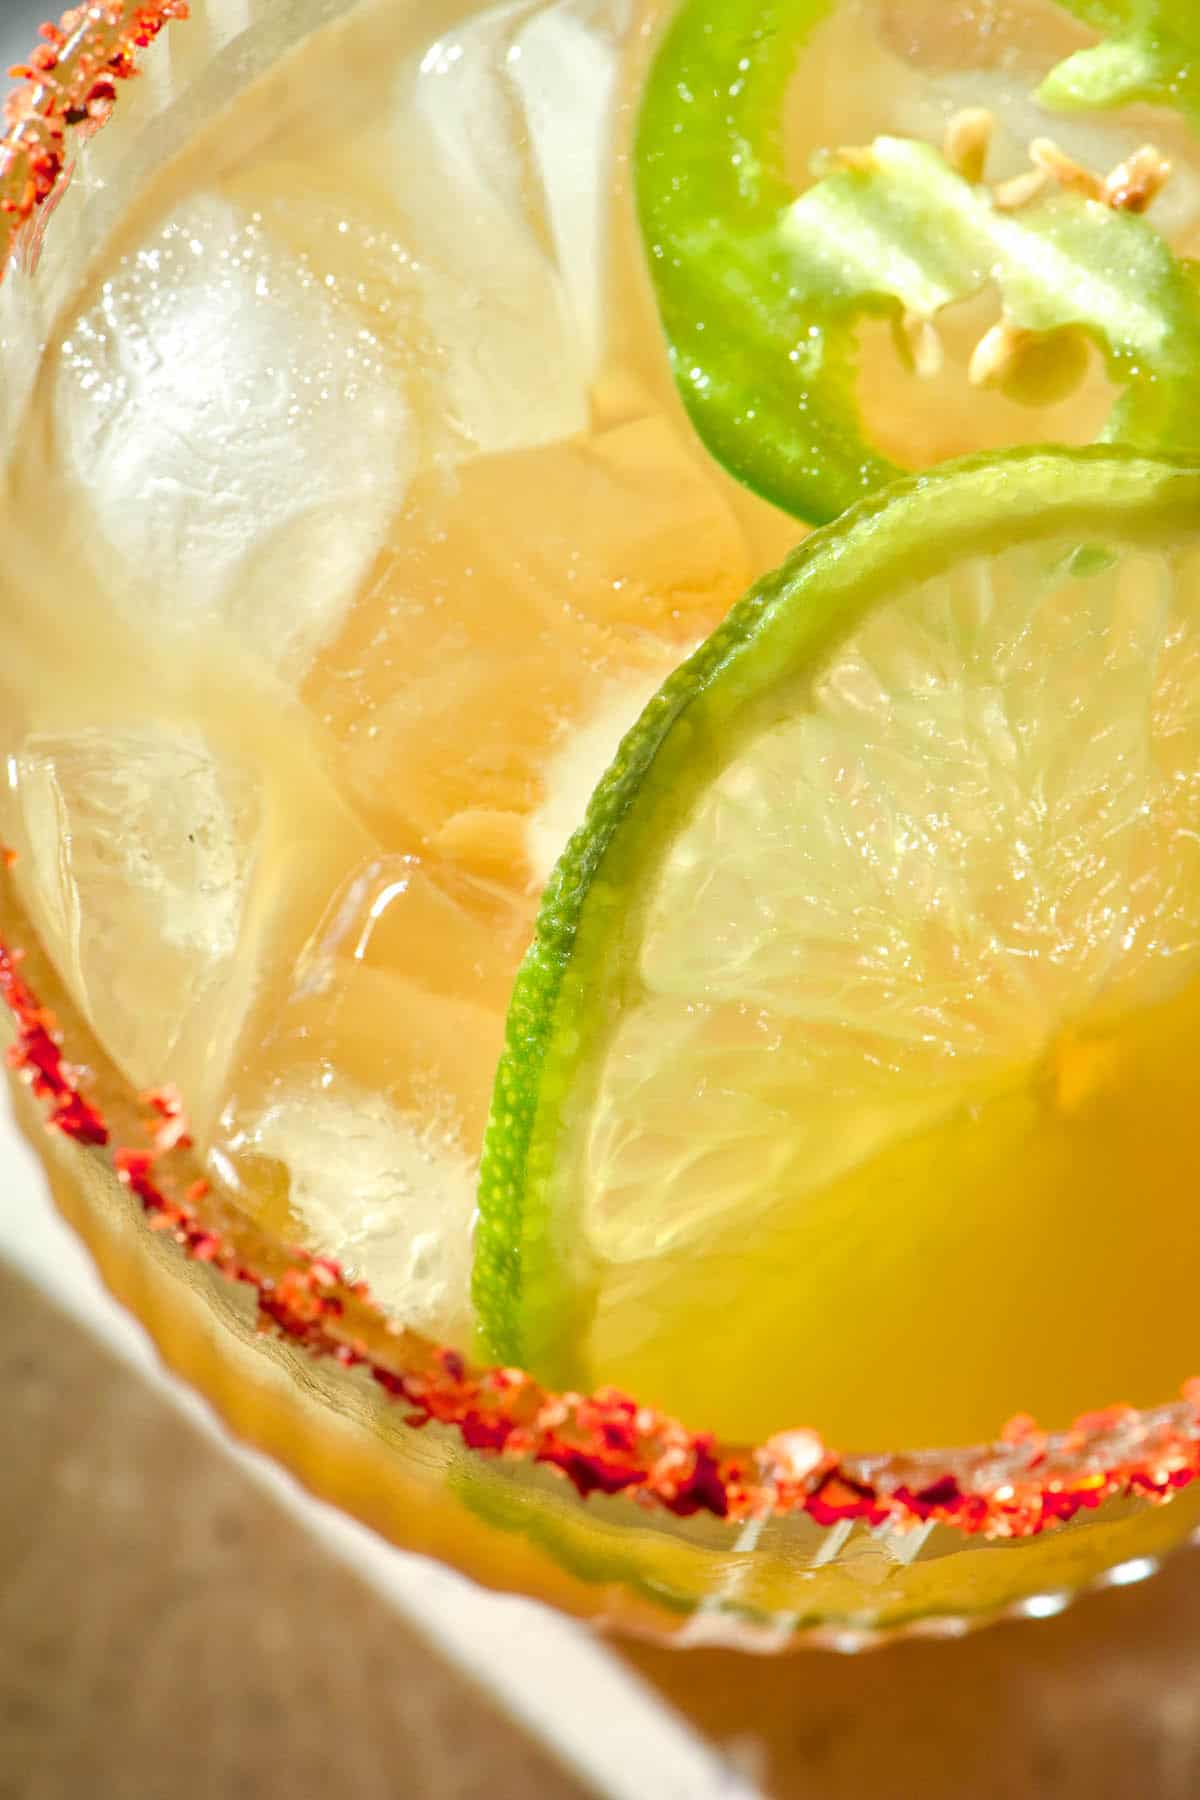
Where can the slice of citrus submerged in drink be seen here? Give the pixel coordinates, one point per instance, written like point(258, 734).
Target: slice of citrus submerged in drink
point(851, 1077)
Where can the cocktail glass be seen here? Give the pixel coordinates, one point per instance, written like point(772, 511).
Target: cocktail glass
point(596, 1504)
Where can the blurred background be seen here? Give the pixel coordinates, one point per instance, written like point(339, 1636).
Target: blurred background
point(175, 1618)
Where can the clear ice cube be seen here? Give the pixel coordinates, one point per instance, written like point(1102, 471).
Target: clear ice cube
point(135, 849)
point(356, 1115)
point(500, 134)
point(232, 436)
point(563, 62)
point(515, 634)
point(390, 1195)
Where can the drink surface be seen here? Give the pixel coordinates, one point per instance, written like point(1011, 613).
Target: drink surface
point(371, 520)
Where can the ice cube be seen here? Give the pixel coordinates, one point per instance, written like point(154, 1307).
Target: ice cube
point(555, 591)
point(500, 140)
point(391, 1195)
point(451, 930)
point(401, 986)
point(135, 847)
point(564, 64)
point(234, 439)
point(356, 1115)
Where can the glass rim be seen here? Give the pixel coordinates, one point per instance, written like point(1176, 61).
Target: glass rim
point(1026, 1482)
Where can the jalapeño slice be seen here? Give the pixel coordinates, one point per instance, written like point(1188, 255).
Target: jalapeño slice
point(763, 292)
point(1150, 52)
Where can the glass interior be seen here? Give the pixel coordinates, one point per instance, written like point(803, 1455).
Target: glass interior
point(764, 1585)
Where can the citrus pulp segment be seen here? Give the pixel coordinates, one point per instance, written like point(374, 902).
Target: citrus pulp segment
point(850, 1076)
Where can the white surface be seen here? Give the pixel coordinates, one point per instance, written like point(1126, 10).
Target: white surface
point(564, 1684)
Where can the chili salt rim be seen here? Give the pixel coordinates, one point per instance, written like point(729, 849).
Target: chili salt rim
point(1026, 1483)
point(69, 84)
point(606, 1442)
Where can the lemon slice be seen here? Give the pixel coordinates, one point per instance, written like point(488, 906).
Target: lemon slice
point(851, 1077)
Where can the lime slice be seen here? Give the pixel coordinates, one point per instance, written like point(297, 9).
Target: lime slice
point(863, 1008)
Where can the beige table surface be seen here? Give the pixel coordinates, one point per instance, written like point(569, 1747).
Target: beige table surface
point(167, 1629)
